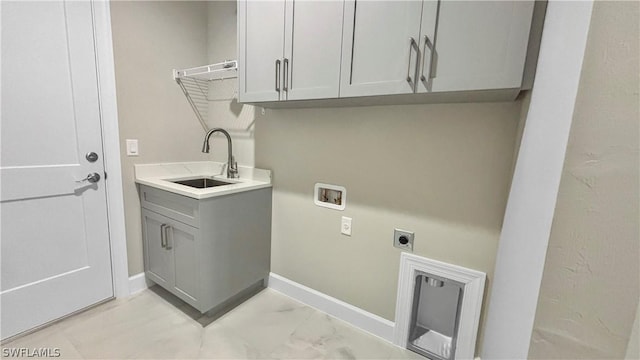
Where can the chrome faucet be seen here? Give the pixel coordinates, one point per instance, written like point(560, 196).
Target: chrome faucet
point(232, 166)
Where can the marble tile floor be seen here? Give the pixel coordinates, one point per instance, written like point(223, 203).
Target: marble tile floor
point(155, 325)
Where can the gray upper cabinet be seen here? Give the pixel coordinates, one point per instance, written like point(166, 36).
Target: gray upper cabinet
point(302, 50)
point(289, 49)
point(312, 49)
point(261, 50)
point(379, 47)
point(477, 45)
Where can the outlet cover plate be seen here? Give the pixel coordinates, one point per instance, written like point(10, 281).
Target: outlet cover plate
point(346, 226)
point(397, 234)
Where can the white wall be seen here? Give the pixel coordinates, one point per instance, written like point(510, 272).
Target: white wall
point(532, 198)
point(591, 283)
point(633, 348)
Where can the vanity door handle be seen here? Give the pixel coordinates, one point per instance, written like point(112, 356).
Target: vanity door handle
point(167, 231)
point(163, 239)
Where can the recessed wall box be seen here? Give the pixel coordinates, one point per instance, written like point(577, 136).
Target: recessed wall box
point(331, 196)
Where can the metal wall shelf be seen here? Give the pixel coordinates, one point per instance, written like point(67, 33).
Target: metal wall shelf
point(195, 82)
point(220, 71)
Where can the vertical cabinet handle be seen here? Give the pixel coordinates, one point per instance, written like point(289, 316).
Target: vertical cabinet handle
point(427, 44)
point(167, 230)
point(412, 45)
point(285, 67)
point(163, 239)
point(278, 75)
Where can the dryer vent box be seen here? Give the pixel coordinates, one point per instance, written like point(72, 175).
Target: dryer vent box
point(435, 315)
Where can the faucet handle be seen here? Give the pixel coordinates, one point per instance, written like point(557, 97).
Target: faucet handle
point(233, 168)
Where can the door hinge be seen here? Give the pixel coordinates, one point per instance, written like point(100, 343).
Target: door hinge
point(105, 176)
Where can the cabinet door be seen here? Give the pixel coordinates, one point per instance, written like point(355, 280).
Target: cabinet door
point(182, 241)
point(378, 56)
point(480, 45)
point(158, 261)
point(261, 49)
point(428, 27)
point(313, 43)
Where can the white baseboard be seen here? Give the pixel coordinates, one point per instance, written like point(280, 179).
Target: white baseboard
point(355, 316)
point(138, 282)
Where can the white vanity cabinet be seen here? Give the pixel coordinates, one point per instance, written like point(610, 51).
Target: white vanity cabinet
point(289, 49)
point(206, 251)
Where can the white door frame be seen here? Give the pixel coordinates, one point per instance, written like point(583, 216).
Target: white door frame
point(529, 214)
point(111, 144)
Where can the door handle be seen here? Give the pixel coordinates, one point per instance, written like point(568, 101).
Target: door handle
point(92, 178)
point(167, 230)
point(412, 45)
point(162, 236)
point(278, 75)
point(285, 68)
point(427, 44)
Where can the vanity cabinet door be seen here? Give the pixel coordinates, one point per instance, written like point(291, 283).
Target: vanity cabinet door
point(182, 240)
point(170, 255)
point(380, 47)
point(158, 262)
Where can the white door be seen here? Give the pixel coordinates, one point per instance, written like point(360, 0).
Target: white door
point(380, 47)
point(261, 49)
point(55, 244)
point(313, 44)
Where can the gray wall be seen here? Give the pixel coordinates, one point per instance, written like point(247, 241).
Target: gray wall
point(589, 293)
point(442, 171)
point(150, 39)
point(225, 111)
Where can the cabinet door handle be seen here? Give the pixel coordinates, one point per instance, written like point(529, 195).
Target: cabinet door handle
point(427, 44)
point(412, 45)
point(278, 75)
point(163, 240)
point(167, 230)
point(285, 68)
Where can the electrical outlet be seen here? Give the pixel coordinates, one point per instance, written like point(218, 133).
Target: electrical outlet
point(403, 239)
point(345, 227)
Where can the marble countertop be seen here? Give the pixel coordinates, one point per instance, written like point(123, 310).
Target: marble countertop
point(161, 175)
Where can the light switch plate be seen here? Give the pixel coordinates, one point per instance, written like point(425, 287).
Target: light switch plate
point(132, 147)
point(345, 228)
